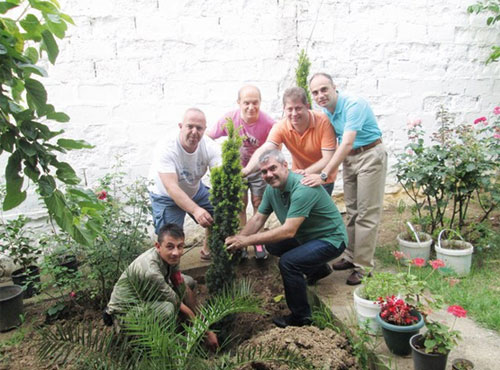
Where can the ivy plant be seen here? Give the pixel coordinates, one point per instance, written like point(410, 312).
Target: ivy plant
point(227, 188)
point(25, 137)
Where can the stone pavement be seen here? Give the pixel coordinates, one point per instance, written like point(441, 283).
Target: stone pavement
point(479, 345)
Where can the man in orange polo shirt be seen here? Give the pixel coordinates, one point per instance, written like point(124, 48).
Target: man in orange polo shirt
point(308, 136)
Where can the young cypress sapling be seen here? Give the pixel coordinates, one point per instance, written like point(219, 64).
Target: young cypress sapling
point(227, 188)
point(302, 73)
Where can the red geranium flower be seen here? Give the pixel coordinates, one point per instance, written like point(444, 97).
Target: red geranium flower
point(176, 278)
point(436, 264)
point(419, 262)
point(102, 195)
point(479, 120)
point(457, 311)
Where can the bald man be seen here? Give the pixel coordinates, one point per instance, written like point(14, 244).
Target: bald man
point(176, 172)
point(254, 126)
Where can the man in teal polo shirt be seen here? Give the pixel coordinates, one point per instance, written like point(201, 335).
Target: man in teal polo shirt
point(311, 234)
point(364, 161)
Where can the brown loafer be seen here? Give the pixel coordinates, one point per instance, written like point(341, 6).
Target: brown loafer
point(343, 264)
point(355, 278)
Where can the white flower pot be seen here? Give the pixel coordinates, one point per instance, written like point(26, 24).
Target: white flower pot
point(414, 249)
point(456, 254)
point(366, 311)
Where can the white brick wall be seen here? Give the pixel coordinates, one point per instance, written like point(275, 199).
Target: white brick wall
point(129, 69)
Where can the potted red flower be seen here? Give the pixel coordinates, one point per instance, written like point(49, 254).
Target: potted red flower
point(399, 321)
point(430, 350)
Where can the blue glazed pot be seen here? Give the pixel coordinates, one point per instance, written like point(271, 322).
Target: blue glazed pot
point(397, 337)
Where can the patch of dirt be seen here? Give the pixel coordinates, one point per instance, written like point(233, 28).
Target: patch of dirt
point(322, 347)
point(325, 349)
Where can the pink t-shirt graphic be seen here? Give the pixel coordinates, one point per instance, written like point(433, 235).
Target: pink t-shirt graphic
point(253, 135)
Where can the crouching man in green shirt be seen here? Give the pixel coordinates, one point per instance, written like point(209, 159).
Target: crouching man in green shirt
point(160, 264)
point(311, 234)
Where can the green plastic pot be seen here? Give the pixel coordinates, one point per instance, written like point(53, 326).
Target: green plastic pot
point(397, 337)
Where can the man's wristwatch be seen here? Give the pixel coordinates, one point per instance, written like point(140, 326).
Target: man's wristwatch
point(323, 176)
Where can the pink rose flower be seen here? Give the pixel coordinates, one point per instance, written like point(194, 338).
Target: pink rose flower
point(496, 110)
point(419, 262)
point(398, 255)
point(102, 195)
point(496, 135)
point(72, 294)
point(457, 311)
point(436, 264)
point(479, 120)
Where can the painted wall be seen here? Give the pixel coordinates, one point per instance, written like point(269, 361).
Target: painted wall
point(128, 69)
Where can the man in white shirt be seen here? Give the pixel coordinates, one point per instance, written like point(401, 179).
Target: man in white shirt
point(176, 172)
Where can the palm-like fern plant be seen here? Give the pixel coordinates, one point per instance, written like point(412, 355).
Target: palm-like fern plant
point(150, 341)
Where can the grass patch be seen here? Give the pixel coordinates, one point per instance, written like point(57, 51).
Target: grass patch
point(478, 292)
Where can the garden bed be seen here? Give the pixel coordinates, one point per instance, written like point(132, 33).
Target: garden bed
point(319, 346)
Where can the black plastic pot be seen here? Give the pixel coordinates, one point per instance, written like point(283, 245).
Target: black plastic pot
point(426, 361)
point(27, 279)
point(455, 364)
point(11, 306)
point(70, 263)
point(397, 338)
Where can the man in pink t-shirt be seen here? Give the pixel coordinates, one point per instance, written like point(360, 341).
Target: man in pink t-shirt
point(254, 126)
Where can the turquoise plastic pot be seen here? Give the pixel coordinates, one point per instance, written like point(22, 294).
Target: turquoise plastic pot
point(397, 337)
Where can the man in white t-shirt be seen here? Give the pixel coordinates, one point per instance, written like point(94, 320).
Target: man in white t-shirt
point(176, 172)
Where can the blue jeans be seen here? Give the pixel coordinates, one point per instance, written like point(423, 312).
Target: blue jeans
point(297, 260)
point(165, 210)
point(329, 187)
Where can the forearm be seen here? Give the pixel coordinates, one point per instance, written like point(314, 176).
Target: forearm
point(181, 199)
point(254, 224)
point(318, 166)
point(270, 236)
point(337, 158)
point(186, 311)
point(253, 163)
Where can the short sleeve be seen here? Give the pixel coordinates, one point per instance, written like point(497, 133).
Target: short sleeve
point(165, 159)
point(218, 130)
point(214, 153)
point(355, 115)
point(328, 138)
point(265, 206)
point(276, 134)
point(302, 202)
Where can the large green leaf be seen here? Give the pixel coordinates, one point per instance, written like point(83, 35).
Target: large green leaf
point(74, 144)
point(44, 6)
point(32, 26)
point(56, 25)
point(66, 173)
point(37, 93)
point(14, 195)
point(46, 185)
point(27, 148)
point(5, 6)
point(50, 46)
point(32, 54)
point(31, 68)
point(58, 116)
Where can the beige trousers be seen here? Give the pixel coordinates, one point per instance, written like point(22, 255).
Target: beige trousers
point(364, 184)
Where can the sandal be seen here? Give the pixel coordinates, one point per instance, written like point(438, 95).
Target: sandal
point(204, 256)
